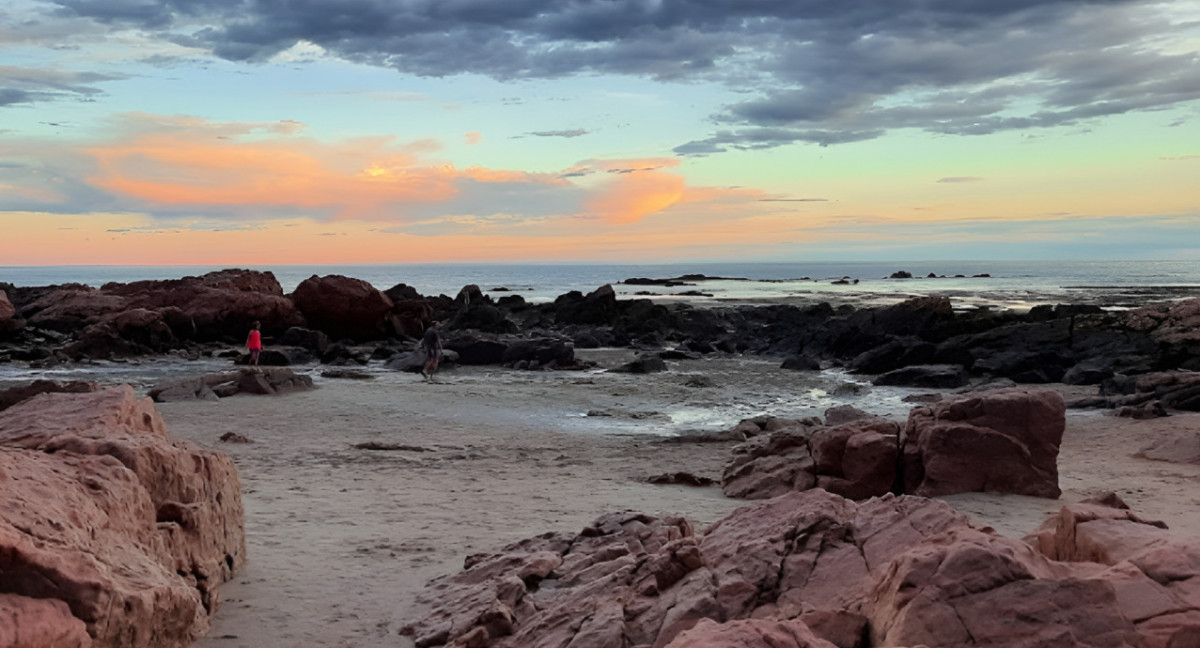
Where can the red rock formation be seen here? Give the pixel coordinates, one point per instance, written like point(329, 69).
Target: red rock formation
point(813, 569)
point(14, 395)
point(7, 312)
point(344, 307)
point(1000, 441)
point(151, 316)
point(637, 580)
point(750, 633)
point(100, 509)
point(39, 623)
point(856, 459)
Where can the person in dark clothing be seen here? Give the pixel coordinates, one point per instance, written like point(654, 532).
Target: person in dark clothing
point(431, 344)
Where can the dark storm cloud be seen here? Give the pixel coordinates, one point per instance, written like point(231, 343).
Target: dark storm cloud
point(813, 71)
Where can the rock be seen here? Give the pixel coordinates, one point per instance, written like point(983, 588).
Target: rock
point(893, 355)
point(234, 437)
point(186, 389)
point(133, 531)
point(683, 478)
point(343, 307)
point(901, 274)
point(402, 292)
point(631, 579)
point(281, 356)
point(8, 313)
point(219, 305)
point(545, 351)
point(856, 460)
point(845, 414)
point(14, 395)
point(1184, 448)
point(749, 633)
point(800, 363)
point(71, 308)
point(928, 376)
point(347, 374)
point(1101, 530)
point(40, 623)
point(272, 381)
point(258, 380)
point(642, 365)
point(973, 588)
point(314, 341)
point(1002, 440)
point(1175, 329)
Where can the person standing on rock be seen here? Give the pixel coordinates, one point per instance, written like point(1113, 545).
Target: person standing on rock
point(254, 343)
point(431, 344)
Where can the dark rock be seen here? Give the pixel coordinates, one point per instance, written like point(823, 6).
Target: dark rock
point(343, 307)
point(346, 374)
point(642, 365)
point(281, 356)
point(14, 395)
point(476, 350)
point(681, 478)
point(234, 437)
point(893, 355)
point(315, 341)
point(544, 351)
point(930, 376)
point(800, 363)
point(402, 292)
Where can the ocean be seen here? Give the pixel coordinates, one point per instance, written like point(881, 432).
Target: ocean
point(1003, 284)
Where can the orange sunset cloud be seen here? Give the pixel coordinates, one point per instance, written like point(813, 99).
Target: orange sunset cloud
point(368, 178)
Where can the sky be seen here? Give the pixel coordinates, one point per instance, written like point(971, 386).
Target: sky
point(261, 132)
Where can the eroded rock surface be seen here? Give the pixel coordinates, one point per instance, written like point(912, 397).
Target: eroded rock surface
point(101, 510)
point(811, 569)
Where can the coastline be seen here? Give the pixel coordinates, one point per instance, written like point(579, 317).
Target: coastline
point(341, 540)
point(343, 536)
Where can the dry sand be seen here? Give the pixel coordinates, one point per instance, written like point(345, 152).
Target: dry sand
point(341, 539)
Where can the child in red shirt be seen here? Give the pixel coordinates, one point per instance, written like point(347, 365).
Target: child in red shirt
point(254, 343)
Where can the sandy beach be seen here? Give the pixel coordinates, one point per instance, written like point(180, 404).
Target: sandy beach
point(341, 539)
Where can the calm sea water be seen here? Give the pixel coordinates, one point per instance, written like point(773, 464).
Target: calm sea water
point(1010, 283)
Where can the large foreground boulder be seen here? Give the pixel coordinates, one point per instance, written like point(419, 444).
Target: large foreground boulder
point(101, 510)
point(1003, 441)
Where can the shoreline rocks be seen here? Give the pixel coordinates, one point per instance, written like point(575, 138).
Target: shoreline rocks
point(101, 510)
point(814, 569)
point(921, 341)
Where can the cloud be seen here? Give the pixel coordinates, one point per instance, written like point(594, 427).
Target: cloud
point(576, 132)
point(824, 73)
point(29, 85)
point(182, 169)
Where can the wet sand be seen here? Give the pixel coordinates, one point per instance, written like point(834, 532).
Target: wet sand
point(341, 539)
